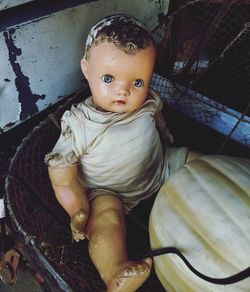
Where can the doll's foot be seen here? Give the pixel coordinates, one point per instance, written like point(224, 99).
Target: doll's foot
point(77, 225)
point(131, 277)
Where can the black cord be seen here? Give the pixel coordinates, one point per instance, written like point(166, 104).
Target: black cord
point(152, 253)
point(220, 281)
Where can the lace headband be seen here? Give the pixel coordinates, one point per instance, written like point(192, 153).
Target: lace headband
point(107, 21)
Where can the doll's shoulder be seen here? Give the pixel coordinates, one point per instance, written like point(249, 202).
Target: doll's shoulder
point(74, 116)
point(78, 108)
point(153, 101)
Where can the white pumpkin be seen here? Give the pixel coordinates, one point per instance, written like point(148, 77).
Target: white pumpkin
point(204, 211)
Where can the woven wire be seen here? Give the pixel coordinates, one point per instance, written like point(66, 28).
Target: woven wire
point(204, 110)
point(205, 46)
point(38, 220)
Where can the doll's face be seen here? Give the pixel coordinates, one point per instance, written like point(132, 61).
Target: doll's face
point(118, 82)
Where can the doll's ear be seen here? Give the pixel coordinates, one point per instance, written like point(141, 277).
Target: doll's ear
point(84, 67)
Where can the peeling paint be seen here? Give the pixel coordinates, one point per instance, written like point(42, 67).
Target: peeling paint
point(10, 124)
point(26, 98)
point(41, 45)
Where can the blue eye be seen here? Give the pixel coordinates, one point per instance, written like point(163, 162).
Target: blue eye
point(138, 83)
point(107, 78)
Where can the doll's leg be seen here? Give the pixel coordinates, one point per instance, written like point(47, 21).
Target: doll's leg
point(106, 232)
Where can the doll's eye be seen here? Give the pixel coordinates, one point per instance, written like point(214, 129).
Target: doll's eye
point(107, 78)
point(138, 83)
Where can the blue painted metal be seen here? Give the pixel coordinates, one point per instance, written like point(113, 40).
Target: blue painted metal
point(204, 110)
point(34, 10)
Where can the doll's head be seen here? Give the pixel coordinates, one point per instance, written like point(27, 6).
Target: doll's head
point(118, 63)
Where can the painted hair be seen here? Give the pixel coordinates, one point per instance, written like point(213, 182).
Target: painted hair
point(124, 31)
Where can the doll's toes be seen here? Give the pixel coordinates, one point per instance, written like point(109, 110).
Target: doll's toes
point(78, 221)
point(77, 225)
point(78, 236)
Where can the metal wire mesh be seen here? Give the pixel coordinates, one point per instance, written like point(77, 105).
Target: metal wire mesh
point(38, 221)
point(204, 48)
point(206, 45)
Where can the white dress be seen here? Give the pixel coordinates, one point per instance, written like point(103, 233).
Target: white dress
point(118, 154)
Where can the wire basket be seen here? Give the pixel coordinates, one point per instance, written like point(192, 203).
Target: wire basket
point(204, 51)
point(38, 221)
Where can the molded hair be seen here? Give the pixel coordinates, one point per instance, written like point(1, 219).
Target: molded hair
point(124, 31)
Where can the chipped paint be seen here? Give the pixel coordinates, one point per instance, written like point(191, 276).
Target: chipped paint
point(40, 58)
point(26, 98)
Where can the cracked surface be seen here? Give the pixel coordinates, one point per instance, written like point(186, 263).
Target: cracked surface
point(77, 225)
point(131, 277)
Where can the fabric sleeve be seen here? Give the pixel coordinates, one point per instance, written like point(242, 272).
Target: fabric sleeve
point(62, 154)
point(166, 136)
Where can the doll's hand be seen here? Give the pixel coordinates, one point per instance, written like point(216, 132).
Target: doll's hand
point(77, 225)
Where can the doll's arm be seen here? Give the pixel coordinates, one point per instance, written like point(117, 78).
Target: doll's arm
point(70, 193)
point(166, 136)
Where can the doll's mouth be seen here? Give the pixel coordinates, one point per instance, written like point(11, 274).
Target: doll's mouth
point(120, 102)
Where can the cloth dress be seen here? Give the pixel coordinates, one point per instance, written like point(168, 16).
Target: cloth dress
point(117, 153)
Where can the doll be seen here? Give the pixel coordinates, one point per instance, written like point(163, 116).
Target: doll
point(112, 151)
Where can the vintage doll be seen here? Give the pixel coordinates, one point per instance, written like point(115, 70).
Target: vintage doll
point(113, 149)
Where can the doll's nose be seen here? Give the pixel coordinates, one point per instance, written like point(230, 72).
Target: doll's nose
point(123, 94)
point(123, 91)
